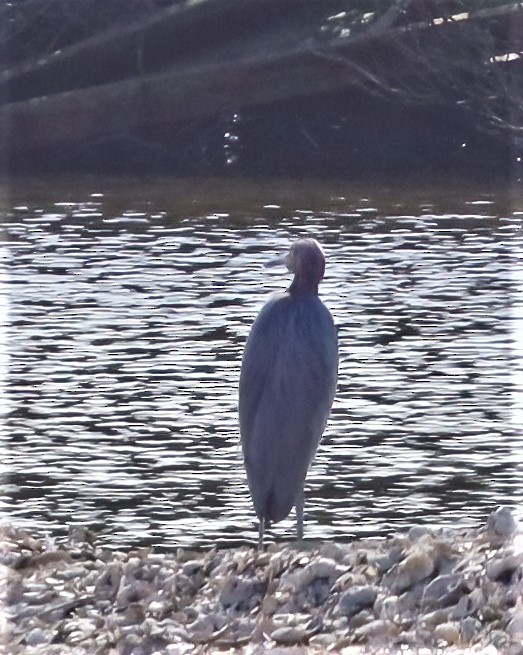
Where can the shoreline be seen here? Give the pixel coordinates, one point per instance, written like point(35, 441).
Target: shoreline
point(423, 592)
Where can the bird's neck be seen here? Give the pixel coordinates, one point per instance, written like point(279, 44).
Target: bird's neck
point(301, 285)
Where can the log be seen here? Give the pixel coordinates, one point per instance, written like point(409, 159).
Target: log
point(194, 30)
point(208, 87)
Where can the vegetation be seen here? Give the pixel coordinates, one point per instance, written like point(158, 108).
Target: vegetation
point(31, 28)
point(256, 65)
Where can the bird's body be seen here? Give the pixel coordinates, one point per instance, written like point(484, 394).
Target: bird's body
point(287, 385)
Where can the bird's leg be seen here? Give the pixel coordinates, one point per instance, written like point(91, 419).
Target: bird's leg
point(260, 534)
point(299, 516)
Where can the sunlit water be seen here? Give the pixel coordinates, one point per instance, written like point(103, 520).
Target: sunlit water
point(127, 306)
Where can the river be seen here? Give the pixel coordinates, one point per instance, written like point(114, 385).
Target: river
point(126, 305)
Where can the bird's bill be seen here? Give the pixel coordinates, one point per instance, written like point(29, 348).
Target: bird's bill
point(278, 261)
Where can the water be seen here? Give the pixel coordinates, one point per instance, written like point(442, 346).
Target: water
point(128, 304)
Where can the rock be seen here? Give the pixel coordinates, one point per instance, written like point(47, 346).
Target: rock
point(11, 586)
point(83, 629)
point(332, 551)
point(448, 632)
point(468, 629)
point(159, 608)
point(322, 568)
point(132, 593)
point(515, 626)
point(175, 649)
point(355, 599)
point(192, 567)
point(109, 580)
point(322, 641)
point(442, 591)
point(289, 635)
point(200, 630)
point(36, 637)
point(501, 569)
point(340, 624)
point(416, 567)
point(498, 639)
point(490, 613)
point(318, 591)
point(313, 582)
point(464, 607)
point(240, 593)
point(385, 562)
point(360, 619)
point(417, 531)
point(387, 607)
point(436, 617)
point(285, 600)
point(377, 628)
point(501, 526)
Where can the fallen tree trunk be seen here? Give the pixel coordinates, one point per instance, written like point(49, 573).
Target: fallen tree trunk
point(212, 86)
point(188, 31)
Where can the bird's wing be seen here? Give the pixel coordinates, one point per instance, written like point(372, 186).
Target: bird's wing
point(287, 385)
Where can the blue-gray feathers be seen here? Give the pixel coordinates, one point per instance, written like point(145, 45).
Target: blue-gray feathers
point(287, 385)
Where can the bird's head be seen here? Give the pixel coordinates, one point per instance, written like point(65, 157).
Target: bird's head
point(307, 261)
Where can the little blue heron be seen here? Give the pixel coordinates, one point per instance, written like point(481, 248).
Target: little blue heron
point(287, 385)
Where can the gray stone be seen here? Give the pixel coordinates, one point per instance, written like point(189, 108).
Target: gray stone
point(289, 635)
point(469, 628)
point(240, 592)
point(501, 569)
point(360, 619)
point(36, 637)
point(386, 561)
point(501, 525)
point(442, 591)
point(449, 632)
point(378, 628)
point(417, 531)
point(355, 599)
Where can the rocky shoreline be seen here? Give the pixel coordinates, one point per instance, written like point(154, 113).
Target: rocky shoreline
point(422, 592)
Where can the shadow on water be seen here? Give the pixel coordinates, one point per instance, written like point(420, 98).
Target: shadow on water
point(128, 306)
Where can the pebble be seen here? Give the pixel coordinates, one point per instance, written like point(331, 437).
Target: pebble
point(36, 637)
point(501, 526)
point(386, 561)
point(449, 632)
point(502, 568)
point(132, 593)
point(436, 617)
point(469, 628)
point(360, 619)
point(515, 626)
point(377, 628)
point(462, 608)
point(406, 590)
point(417, 566)
point(240, 593)
point(417, 531)
point(289, 635)
point(323, 568)
point(355, 599)
point(499, 639)
point(322, 641)
point(442, 591)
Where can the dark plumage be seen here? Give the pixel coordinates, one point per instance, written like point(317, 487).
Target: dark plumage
point(287, 385)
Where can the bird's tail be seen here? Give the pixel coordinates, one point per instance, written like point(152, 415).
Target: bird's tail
point(277, 506)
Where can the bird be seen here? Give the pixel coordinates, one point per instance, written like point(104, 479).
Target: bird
point(287, 386)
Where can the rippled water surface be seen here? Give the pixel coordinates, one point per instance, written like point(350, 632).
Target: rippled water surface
point(127, 307)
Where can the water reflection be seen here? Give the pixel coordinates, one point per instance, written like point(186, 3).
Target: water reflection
point(127, 319)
